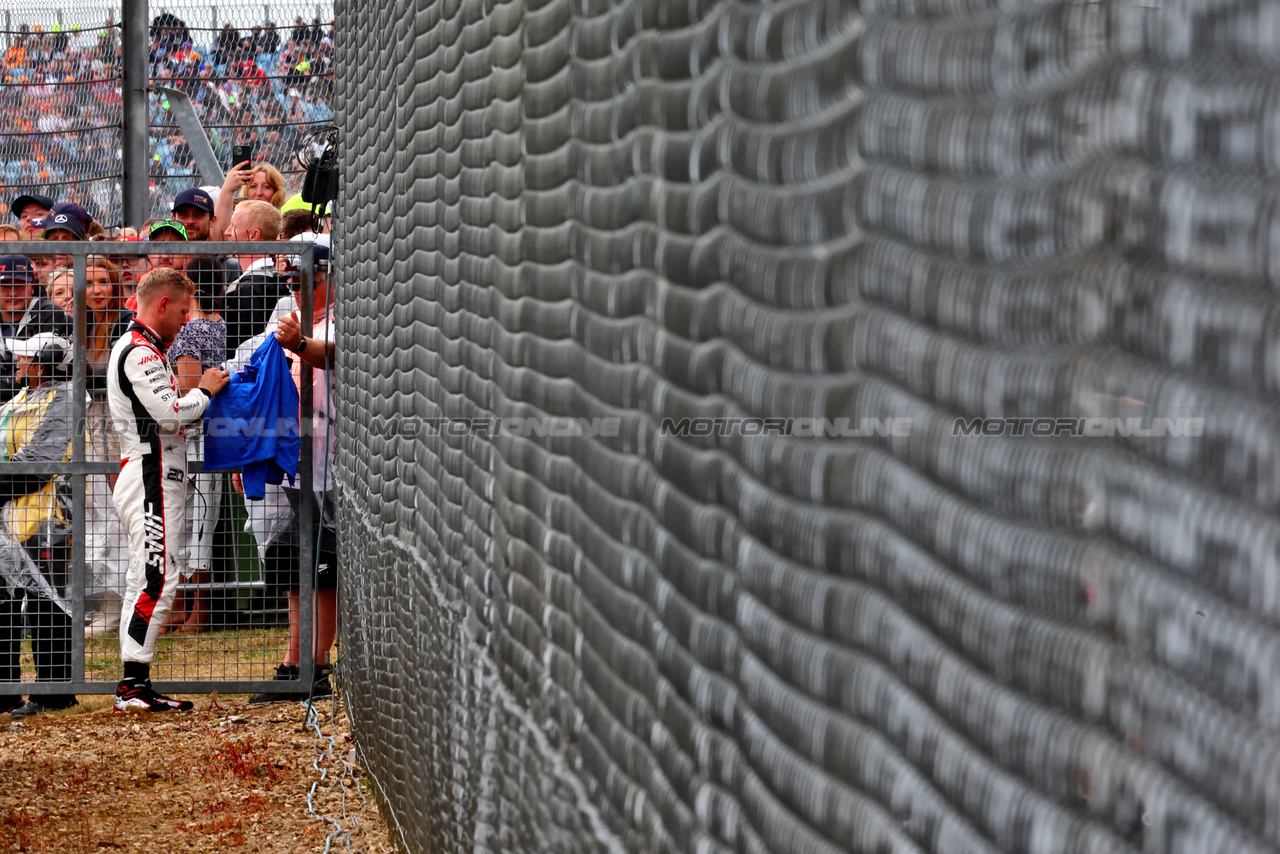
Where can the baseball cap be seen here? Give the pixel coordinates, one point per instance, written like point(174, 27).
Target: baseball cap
point(30, 199)
point(32, 346)
point(295, 203)
point(16, 268)
point(66, 220)
point(320, 254)
point(172, 224)
point(196, 197)
point(72, 208)
point(321, 241)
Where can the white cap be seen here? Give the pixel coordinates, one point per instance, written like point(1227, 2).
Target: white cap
point(33, 345)
point(311, 237)
point(213, 193)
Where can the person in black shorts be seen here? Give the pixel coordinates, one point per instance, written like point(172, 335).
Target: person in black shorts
point(281, 565)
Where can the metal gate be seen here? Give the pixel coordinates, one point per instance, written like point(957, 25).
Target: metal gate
point(241, 654)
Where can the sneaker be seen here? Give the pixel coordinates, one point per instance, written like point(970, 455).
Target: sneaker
point(35, 706)
point(140, 697)
point(284, 673)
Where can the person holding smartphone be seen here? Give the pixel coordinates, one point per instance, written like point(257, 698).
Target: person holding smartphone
point(246, 180)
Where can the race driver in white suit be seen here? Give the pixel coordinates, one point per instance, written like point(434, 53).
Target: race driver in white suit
point(151, 491)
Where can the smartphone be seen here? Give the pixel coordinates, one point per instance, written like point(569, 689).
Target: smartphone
point(240, 154)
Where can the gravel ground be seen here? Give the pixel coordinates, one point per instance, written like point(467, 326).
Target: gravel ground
point(226, 777)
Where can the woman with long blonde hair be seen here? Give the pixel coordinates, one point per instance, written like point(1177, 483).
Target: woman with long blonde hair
point(260, 181)
point(105, 313)
point(265, 183)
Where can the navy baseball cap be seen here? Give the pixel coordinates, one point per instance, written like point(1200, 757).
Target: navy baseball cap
point(16, 268)
point(71, 208)
point(195, 197)
point(65, 220)
point(29, 199)
point(319, 251)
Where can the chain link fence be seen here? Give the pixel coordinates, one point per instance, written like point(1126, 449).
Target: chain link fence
point(63, 548)
point(258, 75)
point(60, 107)
point(699, 626)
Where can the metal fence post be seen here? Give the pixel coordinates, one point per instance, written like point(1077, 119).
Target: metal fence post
point(307, 518)
point(135, 48)
point(79, 485)
point(201, 149)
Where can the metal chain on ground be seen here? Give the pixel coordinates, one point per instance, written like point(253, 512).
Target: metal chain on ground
point(347, 824)
point(323, 756)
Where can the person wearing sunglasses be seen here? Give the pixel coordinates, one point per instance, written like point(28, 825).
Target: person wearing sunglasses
point(167, 231)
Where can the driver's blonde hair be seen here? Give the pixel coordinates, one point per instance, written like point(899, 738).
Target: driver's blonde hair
point(161, 281)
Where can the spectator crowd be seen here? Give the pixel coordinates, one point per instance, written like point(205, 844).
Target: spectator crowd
point(60, 104)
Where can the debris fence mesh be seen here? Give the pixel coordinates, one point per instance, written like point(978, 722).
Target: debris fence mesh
point(661, 623)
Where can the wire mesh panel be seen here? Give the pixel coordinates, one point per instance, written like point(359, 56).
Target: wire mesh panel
point(812, 426)
point(258, 76)
point(238, 563)
point(61, 106)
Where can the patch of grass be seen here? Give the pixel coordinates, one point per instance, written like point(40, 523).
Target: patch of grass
point(230, 655)
point(227, 655)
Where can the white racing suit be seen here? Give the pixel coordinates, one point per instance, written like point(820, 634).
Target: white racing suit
point(151, 493)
